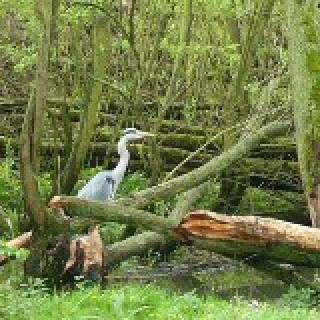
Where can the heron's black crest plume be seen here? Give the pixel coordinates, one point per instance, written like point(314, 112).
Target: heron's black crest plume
point(130, 131)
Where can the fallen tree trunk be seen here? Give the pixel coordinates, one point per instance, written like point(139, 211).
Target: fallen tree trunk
point(159, 224)
point(132, 246)
point(206, 171)
point(119, 212)
point(149, 240)
point(251, 235)
point(235, 236)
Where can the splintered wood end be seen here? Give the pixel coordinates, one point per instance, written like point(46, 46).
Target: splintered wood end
point(86, 253)
point(210, 225)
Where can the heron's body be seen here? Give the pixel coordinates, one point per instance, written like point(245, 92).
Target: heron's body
point(100, 187)
point(103, 185)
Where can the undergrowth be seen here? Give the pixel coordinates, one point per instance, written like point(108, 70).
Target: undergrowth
point(137, 302)
point(33, 301)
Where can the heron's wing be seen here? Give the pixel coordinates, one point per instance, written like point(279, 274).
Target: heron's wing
point(100, 187)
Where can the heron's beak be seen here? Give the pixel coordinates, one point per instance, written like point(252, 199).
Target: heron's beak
point(145, 134)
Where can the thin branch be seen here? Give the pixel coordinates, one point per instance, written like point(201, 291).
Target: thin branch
point(22, 241)
point(215, 137)
point(118, 24)
point(114, 87)
point(206, 171)
point(131, 23)
point(187, 200)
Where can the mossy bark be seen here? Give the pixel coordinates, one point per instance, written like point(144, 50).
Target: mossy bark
point(45, 12)
point(236, 236)
point(237, 106)
point(210, 169)
point(50, 237)
point(32, 131)
point(90, 116)
point(304, 84)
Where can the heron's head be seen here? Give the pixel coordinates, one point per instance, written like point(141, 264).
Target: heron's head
point(132, 134)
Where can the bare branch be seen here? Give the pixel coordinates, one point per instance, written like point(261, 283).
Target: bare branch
point(206, 171)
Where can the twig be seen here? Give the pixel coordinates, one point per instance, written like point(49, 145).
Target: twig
point(221, 133)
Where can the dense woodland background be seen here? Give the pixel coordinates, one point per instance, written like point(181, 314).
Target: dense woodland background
point(185, 70)
point(230, 90)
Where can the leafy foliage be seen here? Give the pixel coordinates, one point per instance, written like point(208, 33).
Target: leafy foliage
point(10, 192)
point(302, 298)
point(19, 254)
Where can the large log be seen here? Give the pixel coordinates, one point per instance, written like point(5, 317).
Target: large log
point(209, 170)
point(234, 236)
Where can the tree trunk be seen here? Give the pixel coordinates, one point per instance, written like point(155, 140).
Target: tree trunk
point(237, 107)
point(306, 111)
point(90, 117)
point(206, 171)
point(31, 140)
point(234, 236)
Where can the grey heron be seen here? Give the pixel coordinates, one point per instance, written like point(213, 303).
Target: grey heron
point(103, 185)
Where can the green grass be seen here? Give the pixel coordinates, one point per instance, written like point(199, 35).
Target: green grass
point(136, 302)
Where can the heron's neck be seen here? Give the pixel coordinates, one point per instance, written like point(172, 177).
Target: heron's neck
point(124, 157)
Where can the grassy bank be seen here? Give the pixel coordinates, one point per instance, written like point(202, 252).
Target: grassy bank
point(137, 302)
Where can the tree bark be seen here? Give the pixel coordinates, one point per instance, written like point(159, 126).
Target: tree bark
point(237, 105)
point(245, 236)
point(111, 211)
point(206, 171)
point(134, 245)
point(90, 116)
point(32, 131)
point(234, 236)
point(31, 137)
point(44, 10)
point(306, 110)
